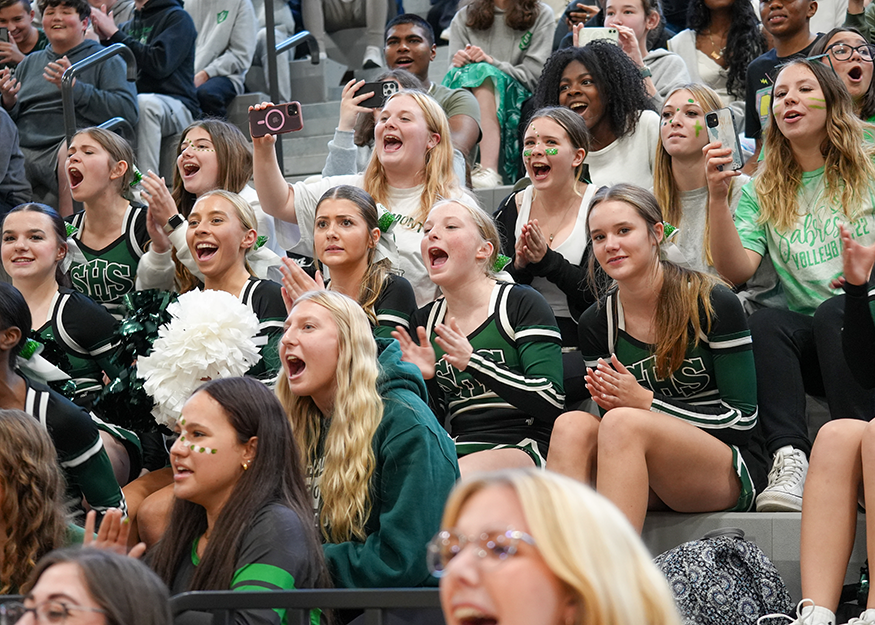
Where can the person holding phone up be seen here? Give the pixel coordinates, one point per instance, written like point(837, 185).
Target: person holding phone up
point(817, 174)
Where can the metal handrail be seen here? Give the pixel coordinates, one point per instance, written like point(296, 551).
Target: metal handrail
point(118, 123)
point(372, 600)
point(77, 68)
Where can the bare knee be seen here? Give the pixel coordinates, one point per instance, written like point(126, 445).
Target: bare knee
point(574, 430)
point(841, 436)
point(622, 426)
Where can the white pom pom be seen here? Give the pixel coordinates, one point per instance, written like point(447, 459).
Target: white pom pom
point(210, 335)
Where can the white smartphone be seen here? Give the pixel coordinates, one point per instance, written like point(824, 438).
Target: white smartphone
point(721, 128)
point(585, 35)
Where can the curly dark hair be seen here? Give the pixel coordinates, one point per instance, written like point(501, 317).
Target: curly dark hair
point(744, 42)
point(520, 14)
point(621, 88)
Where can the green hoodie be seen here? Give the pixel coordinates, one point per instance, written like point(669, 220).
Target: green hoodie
point(416, 469)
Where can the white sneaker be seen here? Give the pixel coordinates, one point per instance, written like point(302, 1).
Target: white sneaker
point(485, 178)
point(373, 58)
point(786, 481)
point(866, 618)
point(806, 614)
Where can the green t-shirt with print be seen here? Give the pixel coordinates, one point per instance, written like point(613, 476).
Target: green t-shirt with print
point(808, 257)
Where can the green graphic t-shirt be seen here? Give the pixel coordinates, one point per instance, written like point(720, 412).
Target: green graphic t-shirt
point(808, 257)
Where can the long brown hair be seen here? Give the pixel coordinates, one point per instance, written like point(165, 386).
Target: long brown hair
point(848, 171)
point(685, 296)
point(520, 15)
point(32, 501)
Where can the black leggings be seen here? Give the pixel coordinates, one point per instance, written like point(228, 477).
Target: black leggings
point(796, 354)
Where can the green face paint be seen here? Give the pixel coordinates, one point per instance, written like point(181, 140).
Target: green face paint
point(527, 153)
point(691, 101)
point(698, 128)
point(551, 151)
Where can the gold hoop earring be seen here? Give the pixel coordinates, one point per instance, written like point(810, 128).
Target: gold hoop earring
point(245, 466)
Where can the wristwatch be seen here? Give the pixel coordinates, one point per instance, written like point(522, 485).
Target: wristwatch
point(645, 72)
point(173, 223)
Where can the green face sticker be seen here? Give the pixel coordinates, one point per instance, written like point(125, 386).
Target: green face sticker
point(698, 128)
point(551, 151)
point(691, 101)
point(527, 153)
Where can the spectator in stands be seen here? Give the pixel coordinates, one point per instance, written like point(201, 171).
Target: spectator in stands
point(718, 46)
point(600, 83)
point(488, 349)
point(110, 230)
point(121, 11)
point(861, 17)
point(543, 228)
point(671, 369)
point(544, 549)
point(284, 27)
point(92, 587)
point(851, 56)
point(33, 519)
point(33, 97)
point(242, 517)
point(787, 23)
point(346, 236)
point(14, 187)
point(224, 51)
point(371, 445)
point(162, 37)
point(818, 169)
point(321, 16)
point(17, 17)
point(497, 52)
point(661, 70)
point(411, 167)
point(410, 45)
point(679, 181)
point(86, 466)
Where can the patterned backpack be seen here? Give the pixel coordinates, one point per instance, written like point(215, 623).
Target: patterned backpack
point(723, 579)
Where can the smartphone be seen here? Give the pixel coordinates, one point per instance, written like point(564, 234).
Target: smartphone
point(721, 128)
point(381, 90)
point(585, 35)
point(4, 35)
point(276, 120)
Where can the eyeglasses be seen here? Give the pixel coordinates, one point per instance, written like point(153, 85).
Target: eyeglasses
point(843, 52)
point(493, 546)
point(46, 612)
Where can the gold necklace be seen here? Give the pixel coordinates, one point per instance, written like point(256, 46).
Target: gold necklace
point(561, 222)
point(715, 54)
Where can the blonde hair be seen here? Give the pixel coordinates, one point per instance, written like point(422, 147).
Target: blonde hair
point(244, 213)
point(665, 186)
point(439, 176)
point(348, 453)
point(485, 226)
point(587, 544)
point(848, 170)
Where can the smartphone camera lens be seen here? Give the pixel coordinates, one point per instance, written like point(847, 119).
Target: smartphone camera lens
point(274, 120)
point(711, 120)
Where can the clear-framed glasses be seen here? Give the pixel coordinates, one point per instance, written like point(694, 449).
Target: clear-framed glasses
point(843, 52)
point(495, 546)
point(46, 612)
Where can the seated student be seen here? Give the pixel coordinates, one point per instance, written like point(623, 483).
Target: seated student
point(718, 46)
point(17, 17)
point(212, 154)
point(321, 16)
point(636, 20)
point(671, 370)
point(818, 170)
point(33, 97)
point(242, 517)
point(92, 586)
point(84, 461)
point(792, 37)
point(345, 240)
point(489, 350)
point(371, 446)
point(410, 45)
point(841, 471)
point(14, 187)
point(601, 84)
point(110, 230)
point(162, 37)
point(852, 57)
point(411, 167)
point(497, 51)
point(543, 228)
point(224, 51)
point(34, 513)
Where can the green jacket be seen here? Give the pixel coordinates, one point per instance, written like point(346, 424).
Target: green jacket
point(416, 469)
